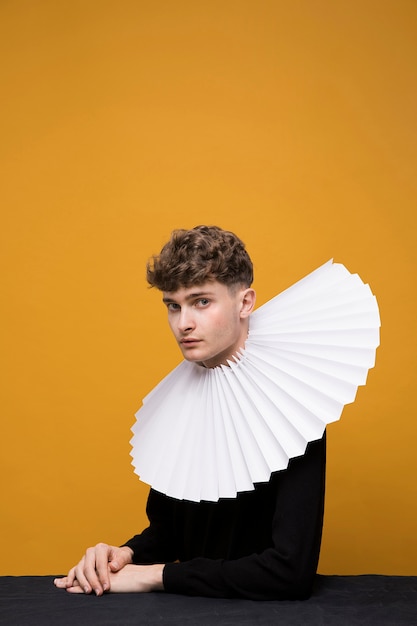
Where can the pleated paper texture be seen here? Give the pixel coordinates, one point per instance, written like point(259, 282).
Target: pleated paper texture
point(205, 434)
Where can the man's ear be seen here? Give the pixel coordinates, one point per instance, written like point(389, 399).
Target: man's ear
point(248, 298)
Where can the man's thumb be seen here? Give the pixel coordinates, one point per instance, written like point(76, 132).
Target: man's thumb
point(119, 560)
point(115, 565)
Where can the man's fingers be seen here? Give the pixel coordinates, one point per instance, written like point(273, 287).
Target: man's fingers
point(66, 581)
point(72, 587)
point(71, 577)
point(103, 554)
point(87, 574)
point(75, 588)
point(82, 583)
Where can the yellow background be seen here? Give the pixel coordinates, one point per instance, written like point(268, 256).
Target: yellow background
point(291, 123)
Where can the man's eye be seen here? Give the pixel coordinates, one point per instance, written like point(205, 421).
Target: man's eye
point(173, 306)
point(203, 302)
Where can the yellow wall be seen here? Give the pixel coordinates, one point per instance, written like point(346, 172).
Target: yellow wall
point(292, 123)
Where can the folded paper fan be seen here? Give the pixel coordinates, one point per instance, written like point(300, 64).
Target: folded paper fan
point(205, 434)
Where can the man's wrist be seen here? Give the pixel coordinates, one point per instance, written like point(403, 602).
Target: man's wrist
point(157, 576)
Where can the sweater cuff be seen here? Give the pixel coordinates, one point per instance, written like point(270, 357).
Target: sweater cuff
point(174, 579)
point(198, 577)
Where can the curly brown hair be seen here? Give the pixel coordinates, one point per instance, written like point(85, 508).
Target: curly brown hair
point(193, 257)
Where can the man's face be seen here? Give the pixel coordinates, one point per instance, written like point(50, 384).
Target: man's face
point(209, 321)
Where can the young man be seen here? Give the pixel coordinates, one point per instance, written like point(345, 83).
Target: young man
point(261, 544)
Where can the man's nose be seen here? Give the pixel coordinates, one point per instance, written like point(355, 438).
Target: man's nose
point(186, 320)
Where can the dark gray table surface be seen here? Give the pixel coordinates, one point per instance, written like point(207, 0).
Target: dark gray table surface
point(337, 600)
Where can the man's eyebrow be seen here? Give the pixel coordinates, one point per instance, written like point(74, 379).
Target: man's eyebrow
point(190, 296)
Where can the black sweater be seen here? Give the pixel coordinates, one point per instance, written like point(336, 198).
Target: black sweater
point(263, 544)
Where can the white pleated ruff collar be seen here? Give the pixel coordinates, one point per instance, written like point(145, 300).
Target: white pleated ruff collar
point(205, 434)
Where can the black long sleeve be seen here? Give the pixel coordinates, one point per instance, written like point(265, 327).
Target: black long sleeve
point(263, 544)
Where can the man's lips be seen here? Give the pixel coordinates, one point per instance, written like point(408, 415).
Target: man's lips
point(189, 341)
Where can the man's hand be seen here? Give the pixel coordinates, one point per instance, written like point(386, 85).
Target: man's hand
point(137, 578)
point(93, 572)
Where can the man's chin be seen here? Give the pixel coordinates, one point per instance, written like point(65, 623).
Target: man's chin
point(195, 359)
point(204, 361)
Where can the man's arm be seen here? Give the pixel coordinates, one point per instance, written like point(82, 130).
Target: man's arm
point(284, 571)
point(157, 543)
point(129, 579)
point(287, 569)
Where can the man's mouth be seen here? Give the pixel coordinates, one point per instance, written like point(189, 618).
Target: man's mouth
point(189, 341)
